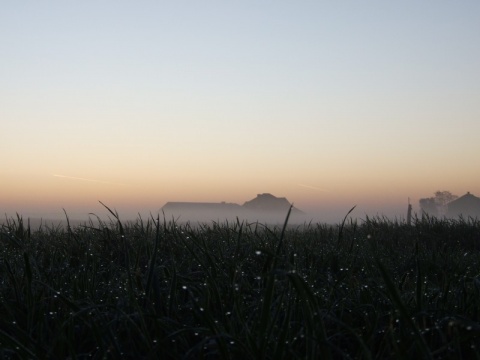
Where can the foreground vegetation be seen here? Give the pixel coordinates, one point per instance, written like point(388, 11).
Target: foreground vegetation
point(375, 289)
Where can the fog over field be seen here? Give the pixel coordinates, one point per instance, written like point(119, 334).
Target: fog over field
point(207, 215)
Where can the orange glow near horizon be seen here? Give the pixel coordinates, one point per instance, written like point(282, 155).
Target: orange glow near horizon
point(78, 195)
point(325, 105)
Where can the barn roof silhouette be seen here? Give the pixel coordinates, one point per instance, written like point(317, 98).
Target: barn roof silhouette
point(268, 202)
point(184, 205)
point(263, 204)
point(466, 205)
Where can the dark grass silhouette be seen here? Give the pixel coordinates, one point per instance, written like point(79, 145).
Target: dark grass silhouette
point(154, 288)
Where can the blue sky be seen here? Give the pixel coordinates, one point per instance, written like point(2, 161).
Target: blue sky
point(374, 101)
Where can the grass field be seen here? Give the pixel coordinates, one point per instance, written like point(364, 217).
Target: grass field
point(372, 289)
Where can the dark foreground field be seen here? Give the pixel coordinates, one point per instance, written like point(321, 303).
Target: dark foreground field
point(155, 289)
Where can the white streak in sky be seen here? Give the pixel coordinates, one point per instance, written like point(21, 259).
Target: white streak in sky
point(84, 179)
point(313, 187)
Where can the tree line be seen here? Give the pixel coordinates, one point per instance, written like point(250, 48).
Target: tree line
point(438, 204)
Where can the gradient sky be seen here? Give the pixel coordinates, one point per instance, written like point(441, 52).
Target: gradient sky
point(328, 103)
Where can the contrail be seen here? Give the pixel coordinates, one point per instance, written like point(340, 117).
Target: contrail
point(84, 179)
point(313, 187)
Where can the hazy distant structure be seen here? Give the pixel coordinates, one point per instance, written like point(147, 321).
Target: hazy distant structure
point(467, 205)
point(268, 202)
point(428, 206)
point(265, 207)
point(437, 205)
point(200, 206)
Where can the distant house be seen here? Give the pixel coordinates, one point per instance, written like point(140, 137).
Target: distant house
point(264, 206)
point(203, 211)
point(268, 202)
point(467, 205)
point(199, 206)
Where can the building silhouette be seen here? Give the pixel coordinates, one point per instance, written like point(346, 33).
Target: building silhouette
point(268, 202)
point(264, 207)
point(467, 205)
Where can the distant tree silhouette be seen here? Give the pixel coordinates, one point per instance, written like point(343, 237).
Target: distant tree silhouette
point(428, 206)
point(437, 205)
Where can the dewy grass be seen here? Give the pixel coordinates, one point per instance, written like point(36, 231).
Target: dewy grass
point(373, 289)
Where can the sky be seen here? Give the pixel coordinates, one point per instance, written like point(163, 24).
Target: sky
point(327, 103)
